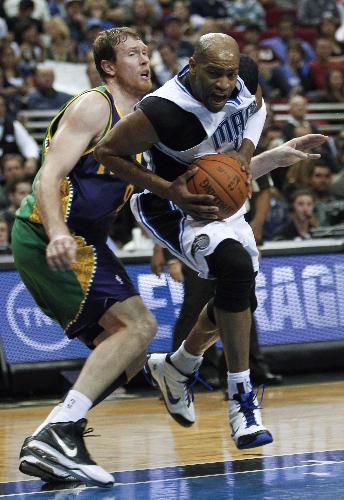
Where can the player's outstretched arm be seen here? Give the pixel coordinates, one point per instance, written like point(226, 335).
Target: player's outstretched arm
point(287, 154)
point(83, 121)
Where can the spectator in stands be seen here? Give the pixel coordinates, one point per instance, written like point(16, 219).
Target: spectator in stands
point(98, 9)
point(25, 13)
point(286, 32)
point(5, 246)
point(301, 219)
point(173, 34)
point(14, 138)
point(142, 17)
point(310, 12)
point(297, 117)
point(15, 80)
point(334, 88)
point(60, 46)
point(11, 168)
point(327, 29)
point(93, 27)
point(75, 20)
point(329, 208)
point(202, 9)
point(293, 76)
point(322, 63)
point(44, 96)
point(181, 9)
point(240, 14)
point(16, 191)
point(31, 49)
point(264, 71)
point(170, 63)
point(40, 10)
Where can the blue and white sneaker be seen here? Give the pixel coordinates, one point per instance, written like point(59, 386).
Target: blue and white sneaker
point(176, 388)
point(246, 422)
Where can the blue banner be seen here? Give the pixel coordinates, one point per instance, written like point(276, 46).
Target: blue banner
point(301, 299)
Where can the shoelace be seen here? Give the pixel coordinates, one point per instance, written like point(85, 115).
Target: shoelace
point(189, 387)
point(247, 406)
point(88, 433)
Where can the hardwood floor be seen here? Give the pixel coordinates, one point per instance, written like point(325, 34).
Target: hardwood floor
point(137, 433)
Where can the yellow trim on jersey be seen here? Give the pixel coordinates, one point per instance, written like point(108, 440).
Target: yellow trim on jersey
point(84, 265)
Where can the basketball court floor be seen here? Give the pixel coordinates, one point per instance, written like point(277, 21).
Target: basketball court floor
point(153, 458)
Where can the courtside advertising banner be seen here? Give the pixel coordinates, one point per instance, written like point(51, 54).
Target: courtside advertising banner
point(300, 299)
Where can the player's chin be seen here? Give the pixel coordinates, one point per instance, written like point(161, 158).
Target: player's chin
point(145, 84)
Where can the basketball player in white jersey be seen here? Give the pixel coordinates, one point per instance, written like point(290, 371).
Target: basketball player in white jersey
point(207, 108)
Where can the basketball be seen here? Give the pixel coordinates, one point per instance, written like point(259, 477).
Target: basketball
point(221, 176)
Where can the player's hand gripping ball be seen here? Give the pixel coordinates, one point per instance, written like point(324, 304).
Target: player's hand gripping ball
point(221, 176)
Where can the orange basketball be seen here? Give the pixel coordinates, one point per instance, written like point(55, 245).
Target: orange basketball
point(221, 176)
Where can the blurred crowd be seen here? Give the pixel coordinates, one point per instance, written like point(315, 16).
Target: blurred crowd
point(299, 49)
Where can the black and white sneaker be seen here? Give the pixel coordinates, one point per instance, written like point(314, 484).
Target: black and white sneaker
point(58, 453)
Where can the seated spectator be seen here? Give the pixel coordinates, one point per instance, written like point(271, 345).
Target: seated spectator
point(93, 27)
point(5, 246)
point(44, 96)
point(334, 88)
point(60, 46)
point(142, 18)
point(301, 219)
point(202, 9)
point(170, 63)
point(15, 80)
point(310, 12)
point(31, 49)
point(297, 117)
point(329, 209)
point(25, 13)
point(322, 63)
point(173, 34)
point(286, 32)
point(327, 29)
point(40, 10)
point(293, 76)
point(14, 138)
point(240, 14)
point(264, 75)
point(75, 20)
point(181, 9)
point(11, 168)
point(16, 192)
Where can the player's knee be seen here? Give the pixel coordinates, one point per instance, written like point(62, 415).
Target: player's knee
point(146, 328)
point(231, 264)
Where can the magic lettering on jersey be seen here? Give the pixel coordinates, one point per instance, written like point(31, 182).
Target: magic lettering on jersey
point(231, 130)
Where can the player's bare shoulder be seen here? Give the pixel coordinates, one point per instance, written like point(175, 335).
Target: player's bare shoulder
point(90, 111)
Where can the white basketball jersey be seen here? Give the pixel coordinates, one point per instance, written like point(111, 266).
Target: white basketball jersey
point(224, 129)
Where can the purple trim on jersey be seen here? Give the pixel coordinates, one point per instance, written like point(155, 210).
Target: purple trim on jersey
point(110, 284)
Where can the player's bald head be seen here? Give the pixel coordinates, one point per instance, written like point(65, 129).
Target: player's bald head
point(215, 43)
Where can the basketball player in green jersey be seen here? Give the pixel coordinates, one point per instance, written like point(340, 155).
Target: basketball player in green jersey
point(59, 247)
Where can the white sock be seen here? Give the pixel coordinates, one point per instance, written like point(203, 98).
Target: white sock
point(48, 419)
point(74, 407)
point(238, 383)
point(184, 361)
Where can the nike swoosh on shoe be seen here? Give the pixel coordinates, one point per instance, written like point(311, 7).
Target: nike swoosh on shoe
point(70, 452)
point(171, 399)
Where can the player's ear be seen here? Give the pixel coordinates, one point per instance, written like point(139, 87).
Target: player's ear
point(108, 67)
point(192, 65)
